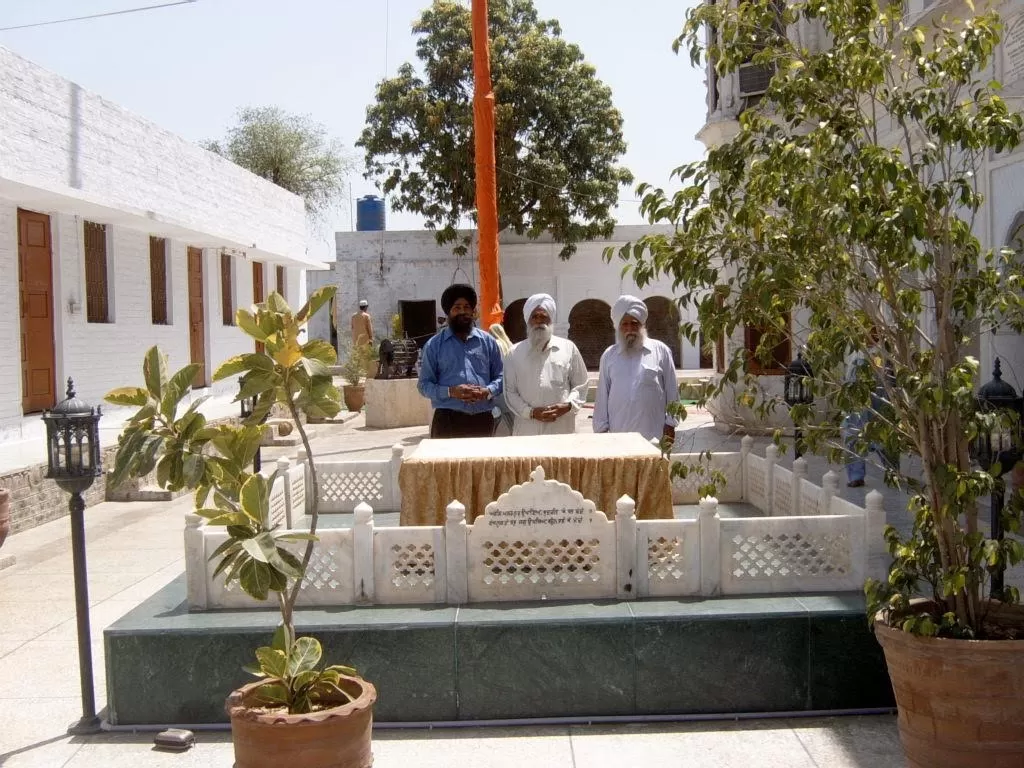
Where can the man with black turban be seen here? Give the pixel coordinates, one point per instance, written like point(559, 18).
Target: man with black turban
point(460, 370)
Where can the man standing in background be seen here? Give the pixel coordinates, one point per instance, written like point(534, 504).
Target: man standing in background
point(362, 325)
point(637, 378)
point(461, 370)
point(545, 377)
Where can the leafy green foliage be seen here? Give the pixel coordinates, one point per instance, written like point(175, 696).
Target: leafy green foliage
point(215, 462)
point(291, 151)
point(840, 217)
point(292, 676)
point(558, 134)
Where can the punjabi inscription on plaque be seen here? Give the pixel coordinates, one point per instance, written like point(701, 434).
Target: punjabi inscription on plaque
point(513, 518)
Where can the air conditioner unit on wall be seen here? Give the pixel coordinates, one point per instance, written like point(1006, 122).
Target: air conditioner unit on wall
point(754, 79)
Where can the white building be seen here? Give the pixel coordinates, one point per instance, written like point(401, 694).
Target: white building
point(1001, 177)
point(117, 235)
point(406, 272)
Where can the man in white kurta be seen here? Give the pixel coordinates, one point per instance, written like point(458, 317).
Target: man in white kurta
point(636, 378)
point(545, 376)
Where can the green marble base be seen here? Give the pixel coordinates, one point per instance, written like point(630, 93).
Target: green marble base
point(515, 661)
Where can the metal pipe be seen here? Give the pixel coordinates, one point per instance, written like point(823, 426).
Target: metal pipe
point(537, 721)
point(89, 723)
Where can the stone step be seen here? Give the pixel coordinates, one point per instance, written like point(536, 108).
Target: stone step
point(552, 659)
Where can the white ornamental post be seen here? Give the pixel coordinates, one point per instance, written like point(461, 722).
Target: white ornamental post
point(195, 562)
point(625, 549)
point(710, 546)
point(362, 553)
point(455, 535)
point(796, 506)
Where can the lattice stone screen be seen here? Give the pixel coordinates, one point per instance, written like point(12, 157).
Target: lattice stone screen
point(791, 554)
point(810, 498)
point(668, 552)
point(409, 564)
point(278, 503)
point(328, 578)
point(541, 539)
point(685, 489)
point(782, 492)
point(346, 484)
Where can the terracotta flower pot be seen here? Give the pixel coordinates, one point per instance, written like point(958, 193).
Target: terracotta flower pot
point(355, 396)
point(331, 738)
point(5, 514)
point(961, 702)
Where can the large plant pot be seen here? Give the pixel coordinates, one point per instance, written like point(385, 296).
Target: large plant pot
point(5, 514)
point(355, 396)
point(331, 738)
point(961, 702)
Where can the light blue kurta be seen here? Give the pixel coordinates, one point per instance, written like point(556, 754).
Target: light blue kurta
point(634, 389)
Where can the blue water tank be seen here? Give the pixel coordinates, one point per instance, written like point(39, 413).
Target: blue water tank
point(369, 214)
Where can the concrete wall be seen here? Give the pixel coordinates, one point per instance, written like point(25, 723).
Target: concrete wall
point(387, 267)
point(56, 136)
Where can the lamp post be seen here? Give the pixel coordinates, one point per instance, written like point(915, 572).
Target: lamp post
point(796, 390)
point(1000, 445)
point(74, 462)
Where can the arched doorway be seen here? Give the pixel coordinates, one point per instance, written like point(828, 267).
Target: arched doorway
point(515, 325)
point(591, 330)
point(663, 324)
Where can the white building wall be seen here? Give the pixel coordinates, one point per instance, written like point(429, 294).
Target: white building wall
point(10, 320)
point(55, 136)
point(385, 268)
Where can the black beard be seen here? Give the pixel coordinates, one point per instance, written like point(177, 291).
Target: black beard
point(460, 323)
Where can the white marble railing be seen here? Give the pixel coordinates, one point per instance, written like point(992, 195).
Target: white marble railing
point(543, 540)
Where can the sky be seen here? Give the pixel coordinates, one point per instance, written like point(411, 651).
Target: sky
point(190, 67)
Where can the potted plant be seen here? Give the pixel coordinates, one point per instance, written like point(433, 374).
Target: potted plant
point(359, 359)
point(835, 214)
point(300, 712)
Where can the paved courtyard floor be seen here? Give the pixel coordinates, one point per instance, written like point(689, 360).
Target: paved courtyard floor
point(134, 549)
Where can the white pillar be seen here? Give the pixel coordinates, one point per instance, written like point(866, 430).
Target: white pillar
point(796, 493)
point(195, 562)
point(362, 553)
point(456, 533)
point(626, 564)
point(771, 457)
point(874, 508)
point(710, 547)
point(283, 465)
point(746, 446)
point(829, 490)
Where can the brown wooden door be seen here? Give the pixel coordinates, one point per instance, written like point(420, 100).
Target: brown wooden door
point(196, 315)
point(257, 290)
point(35, 283)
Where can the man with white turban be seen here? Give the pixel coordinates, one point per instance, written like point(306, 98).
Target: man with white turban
point(636, 378)
point(545, 376)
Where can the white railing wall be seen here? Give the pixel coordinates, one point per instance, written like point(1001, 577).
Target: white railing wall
point(554, 544)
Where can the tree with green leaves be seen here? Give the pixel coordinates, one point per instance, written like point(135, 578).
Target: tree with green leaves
point(215, 461)
point(292, 151)
point(558, 135)
point(841, 215)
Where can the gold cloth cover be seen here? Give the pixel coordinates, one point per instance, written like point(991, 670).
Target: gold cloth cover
point(475, 471)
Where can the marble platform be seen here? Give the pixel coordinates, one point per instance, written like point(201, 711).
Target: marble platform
point(515, 661)
point(392, 403)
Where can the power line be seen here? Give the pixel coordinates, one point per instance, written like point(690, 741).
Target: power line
point(564, 190)
point(98, 15)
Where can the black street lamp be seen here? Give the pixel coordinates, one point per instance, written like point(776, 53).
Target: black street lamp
point(796, 390)
point(1000, 444)
point(74, 462)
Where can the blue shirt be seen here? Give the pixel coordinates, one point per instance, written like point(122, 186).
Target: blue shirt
point(447, 361)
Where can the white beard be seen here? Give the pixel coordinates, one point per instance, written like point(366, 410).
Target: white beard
point(539, 336)
point(631, 343)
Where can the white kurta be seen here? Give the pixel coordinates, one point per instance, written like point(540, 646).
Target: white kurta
point(533, 379)
point(634, 389)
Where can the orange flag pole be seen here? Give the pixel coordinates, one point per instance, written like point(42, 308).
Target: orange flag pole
point(486, 171)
